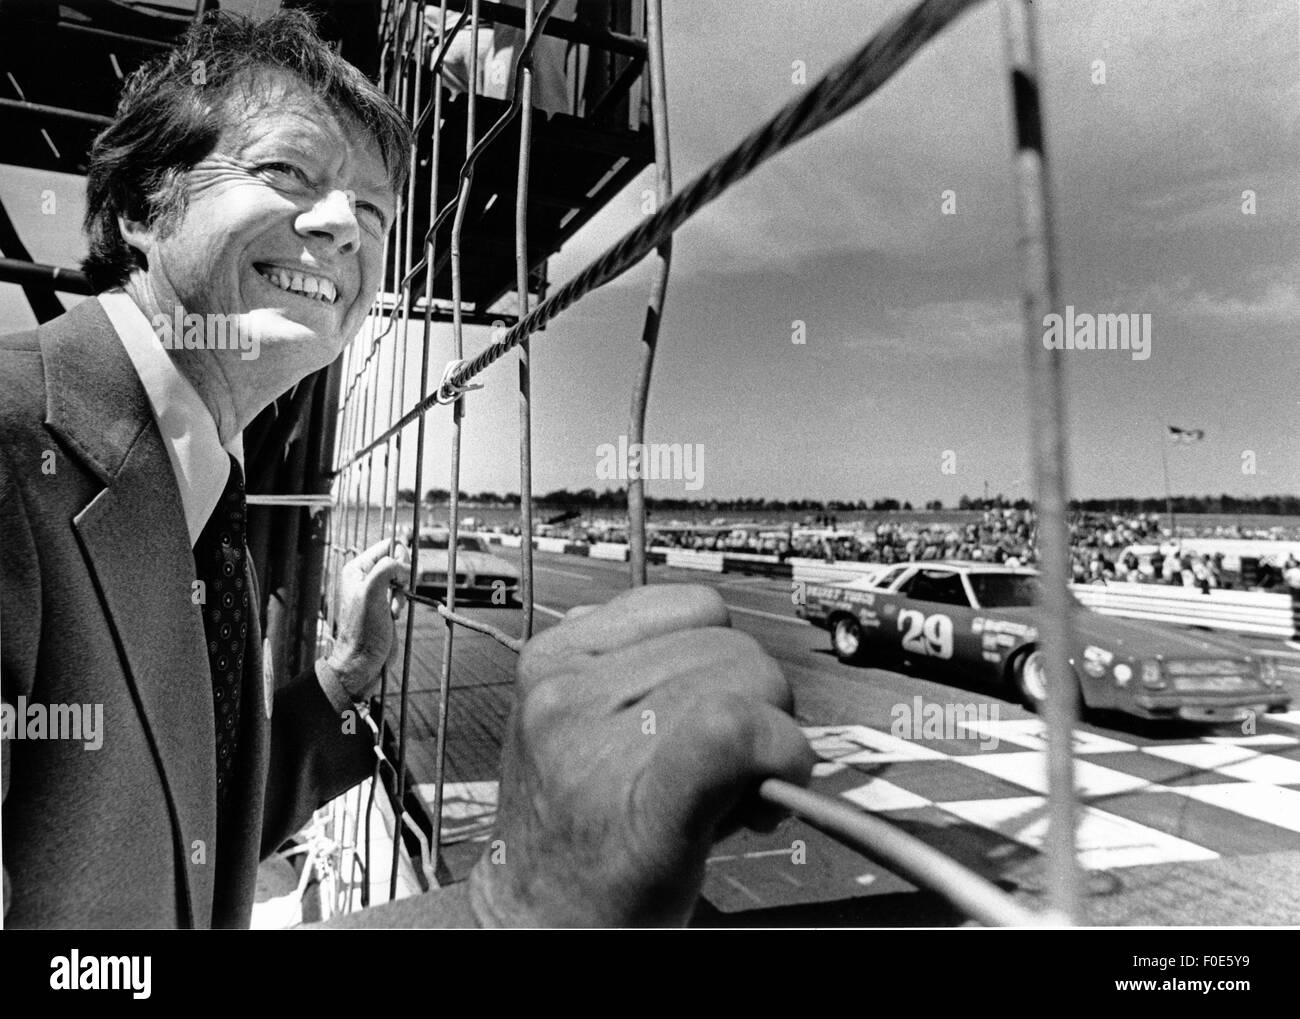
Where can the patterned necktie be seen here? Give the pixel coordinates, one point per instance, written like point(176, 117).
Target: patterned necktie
point(219, 562)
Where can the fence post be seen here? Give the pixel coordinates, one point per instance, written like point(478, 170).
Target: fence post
point(1041, 296)
point(1293, 577)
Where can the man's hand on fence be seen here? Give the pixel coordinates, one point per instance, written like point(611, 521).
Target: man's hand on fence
point(642, 729)
point(368, 605)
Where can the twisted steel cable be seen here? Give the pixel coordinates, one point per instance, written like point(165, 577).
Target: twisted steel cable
point(840, 90)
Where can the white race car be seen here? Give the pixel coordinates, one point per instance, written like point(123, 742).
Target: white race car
point(480, 574)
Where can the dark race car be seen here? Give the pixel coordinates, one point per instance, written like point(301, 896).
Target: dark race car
point(977, 619)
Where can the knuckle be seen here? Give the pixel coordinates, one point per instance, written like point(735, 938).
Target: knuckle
point(748, 659)
point(531, 667)
point(724, 722)
point(542, 706)
point(736, 643)
point(703, 599)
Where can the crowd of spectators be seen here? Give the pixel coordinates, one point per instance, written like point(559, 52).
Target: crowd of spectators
point(1104, 548)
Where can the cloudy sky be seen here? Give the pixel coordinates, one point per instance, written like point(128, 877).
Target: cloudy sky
point(913, 347)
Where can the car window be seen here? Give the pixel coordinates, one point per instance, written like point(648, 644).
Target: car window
point(469, 544)
point(433, 541)
point(1004, 590)
point(937, 586)
point(890, 575)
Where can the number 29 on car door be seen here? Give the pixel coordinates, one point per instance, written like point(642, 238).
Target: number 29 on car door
point(922, 634)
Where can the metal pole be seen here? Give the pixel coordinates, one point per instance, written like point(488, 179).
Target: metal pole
point(525, 356)
point(658, 291)
point(28, 274)
point(435, 155)
point(457, 412)
point(410, 65)
point(1169, 495)
point(1047, 435)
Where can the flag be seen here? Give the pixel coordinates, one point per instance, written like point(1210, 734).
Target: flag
point(1186, 434)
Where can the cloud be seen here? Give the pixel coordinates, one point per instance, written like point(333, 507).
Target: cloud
point(1277, 304)
point(945, 330)
point(1271, 302)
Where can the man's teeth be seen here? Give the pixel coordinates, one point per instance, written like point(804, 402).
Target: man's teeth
point(300, 283)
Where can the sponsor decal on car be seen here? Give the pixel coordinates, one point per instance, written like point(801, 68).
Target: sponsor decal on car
point(993, 641)
point(841, 595)
point(1009, 627)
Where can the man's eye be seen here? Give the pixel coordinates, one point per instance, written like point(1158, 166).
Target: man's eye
point(287, 169)
point(376, 213)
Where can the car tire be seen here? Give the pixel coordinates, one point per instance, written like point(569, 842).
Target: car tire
point(1030, 681)
point(846, 640)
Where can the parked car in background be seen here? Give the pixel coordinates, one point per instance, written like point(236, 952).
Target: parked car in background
point(481, 574)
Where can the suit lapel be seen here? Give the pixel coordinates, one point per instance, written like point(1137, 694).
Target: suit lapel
point(137, 547)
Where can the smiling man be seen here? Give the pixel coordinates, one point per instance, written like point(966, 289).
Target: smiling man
point(243, 191)
point(246, 188)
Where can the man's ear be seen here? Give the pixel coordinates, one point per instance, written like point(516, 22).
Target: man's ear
point(136, 234)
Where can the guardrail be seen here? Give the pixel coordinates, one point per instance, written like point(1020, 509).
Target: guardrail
point(683, 559)
point(611, 550)
point(819, 571)
point(1243, 611)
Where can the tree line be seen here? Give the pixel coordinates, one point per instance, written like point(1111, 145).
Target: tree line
point(616, 499)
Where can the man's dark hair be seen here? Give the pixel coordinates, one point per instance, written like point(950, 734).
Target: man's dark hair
point(173, 109)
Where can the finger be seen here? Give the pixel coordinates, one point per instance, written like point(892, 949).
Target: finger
point(754, 814)
point(703, 770)
point(580, 610)
point(639, 614)
point(394, 650)
point(387, 572)
point(365, 561)
point(714, 661)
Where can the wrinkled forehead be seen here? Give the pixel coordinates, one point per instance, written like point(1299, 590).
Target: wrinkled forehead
point(260, 93)
point(269, 101)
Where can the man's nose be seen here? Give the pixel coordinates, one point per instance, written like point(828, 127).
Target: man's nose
point(332, 219)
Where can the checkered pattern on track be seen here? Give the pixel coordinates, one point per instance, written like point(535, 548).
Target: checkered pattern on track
point(1143, 802)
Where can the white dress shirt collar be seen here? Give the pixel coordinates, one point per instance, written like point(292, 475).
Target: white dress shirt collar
point(189, 433)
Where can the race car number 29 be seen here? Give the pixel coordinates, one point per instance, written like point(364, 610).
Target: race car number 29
point(926, 635)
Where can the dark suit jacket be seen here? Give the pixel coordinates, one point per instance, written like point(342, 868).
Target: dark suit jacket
point(95, 608)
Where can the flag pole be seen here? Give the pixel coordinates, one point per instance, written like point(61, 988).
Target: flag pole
point(1169, 500)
